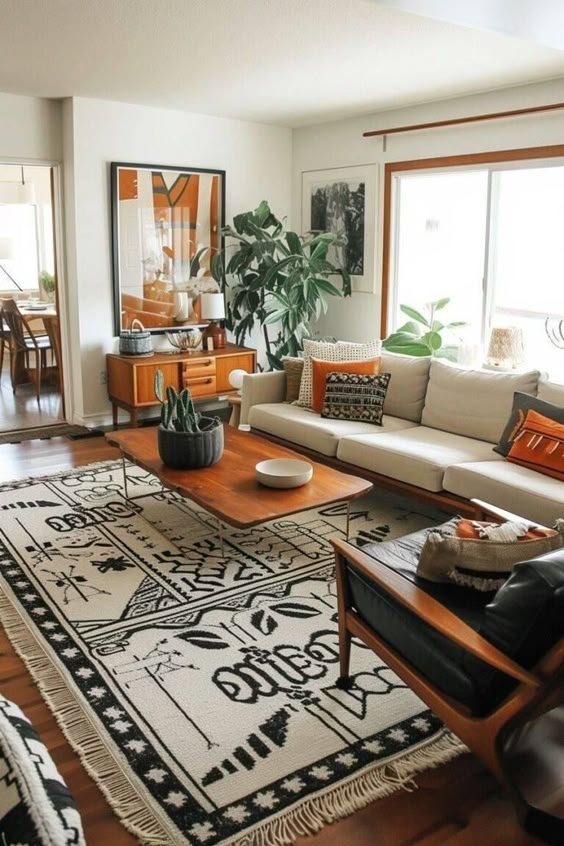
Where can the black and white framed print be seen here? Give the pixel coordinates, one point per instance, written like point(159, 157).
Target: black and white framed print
point(344, 200)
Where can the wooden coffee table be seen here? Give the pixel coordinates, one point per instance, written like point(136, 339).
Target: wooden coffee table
point(229, 489)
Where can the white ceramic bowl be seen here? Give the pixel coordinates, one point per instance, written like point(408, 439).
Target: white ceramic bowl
point(283, 472)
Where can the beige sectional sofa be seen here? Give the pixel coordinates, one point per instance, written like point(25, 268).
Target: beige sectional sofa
point(440, 425)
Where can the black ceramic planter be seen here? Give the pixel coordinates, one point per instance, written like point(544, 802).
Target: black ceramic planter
point(190, 450)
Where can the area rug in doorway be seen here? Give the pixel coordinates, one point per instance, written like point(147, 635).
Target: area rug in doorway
point(200, 691)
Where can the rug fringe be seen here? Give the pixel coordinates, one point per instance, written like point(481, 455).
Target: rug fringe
point(96, 758)
point(311, 815)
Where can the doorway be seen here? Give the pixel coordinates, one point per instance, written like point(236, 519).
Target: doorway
point(31, 383)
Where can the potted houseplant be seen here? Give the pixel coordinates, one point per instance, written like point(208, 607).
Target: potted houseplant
point(47, 285)
point(280, 280)
point(422, 335)
point(187, 439)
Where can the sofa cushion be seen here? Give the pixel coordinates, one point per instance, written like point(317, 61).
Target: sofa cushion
point(293, 368)
point(326, 351)
point(517, 489)
point(351, 396)
point(305, 428)
point(475, 403)
point(408, 384)
point(321, 369)
point(418, 455)
point(551, 392)
point(522, 403)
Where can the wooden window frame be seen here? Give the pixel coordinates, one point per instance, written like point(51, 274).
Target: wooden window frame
point(436, 163)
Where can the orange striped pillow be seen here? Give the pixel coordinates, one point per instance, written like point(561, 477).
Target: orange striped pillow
point(320, 369)
point(540, 445)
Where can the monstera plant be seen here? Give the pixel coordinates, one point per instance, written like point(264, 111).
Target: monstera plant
point(276, 279)
point(422, 335)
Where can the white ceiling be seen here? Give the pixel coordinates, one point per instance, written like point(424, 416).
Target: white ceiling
point(291, 62)
point(535, 20)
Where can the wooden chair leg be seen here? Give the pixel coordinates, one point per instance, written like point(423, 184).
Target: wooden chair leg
point(344, 681)
point(13, 368)
point(38, 370)
point(2, 356)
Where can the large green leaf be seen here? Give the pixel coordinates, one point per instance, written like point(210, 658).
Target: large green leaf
point(414, 348)
point(433, 340)
point(400, 337)
point(415, 315)
point(439, 304)
point(294, 243)
point(411, 328)
point(262, 213)
point(326, 286)
point(448, 352)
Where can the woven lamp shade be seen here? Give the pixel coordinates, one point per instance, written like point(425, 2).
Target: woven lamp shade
point(506, 350)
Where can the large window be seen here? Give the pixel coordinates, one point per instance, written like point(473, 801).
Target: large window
point(490, 237)
point(19, 247)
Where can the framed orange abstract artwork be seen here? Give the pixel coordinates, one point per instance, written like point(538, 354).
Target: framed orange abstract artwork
point(166, 226)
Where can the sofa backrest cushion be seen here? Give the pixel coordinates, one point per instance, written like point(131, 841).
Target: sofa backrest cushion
point(551, 392)
point(408, 385)
point(474, 403)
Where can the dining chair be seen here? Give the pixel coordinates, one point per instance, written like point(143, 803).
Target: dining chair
point(54, 336)
point(22, 341)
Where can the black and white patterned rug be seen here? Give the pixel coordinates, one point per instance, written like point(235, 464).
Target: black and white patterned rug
point(200, 692)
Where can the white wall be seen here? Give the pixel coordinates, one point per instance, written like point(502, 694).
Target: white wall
point(30, 129)
point(340, 144)
point(257, 161)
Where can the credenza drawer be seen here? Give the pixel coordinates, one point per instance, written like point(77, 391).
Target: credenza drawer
point(200, 386)
point(198, 367)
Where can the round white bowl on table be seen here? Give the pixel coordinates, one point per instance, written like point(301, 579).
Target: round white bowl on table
point(283, 472)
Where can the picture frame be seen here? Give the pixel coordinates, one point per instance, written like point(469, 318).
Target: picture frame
point(345, 200)
point(167, 223)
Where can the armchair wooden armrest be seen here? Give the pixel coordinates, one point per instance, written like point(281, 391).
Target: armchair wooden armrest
point(432, 612)
point(484, 511)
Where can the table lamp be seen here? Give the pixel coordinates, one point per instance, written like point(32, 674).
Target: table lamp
point(212, 308)
point(506, 349)
point(236, 378)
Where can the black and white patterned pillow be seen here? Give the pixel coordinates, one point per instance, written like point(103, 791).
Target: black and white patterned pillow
point(352, 396)
point(36, 808)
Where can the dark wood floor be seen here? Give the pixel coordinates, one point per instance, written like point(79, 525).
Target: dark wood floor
point(458, 804)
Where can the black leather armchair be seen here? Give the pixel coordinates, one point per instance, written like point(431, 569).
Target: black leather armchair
point(490, 665)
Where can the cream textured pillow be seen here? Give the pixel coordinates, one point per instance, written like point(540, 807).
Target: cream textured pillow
point(343, 351)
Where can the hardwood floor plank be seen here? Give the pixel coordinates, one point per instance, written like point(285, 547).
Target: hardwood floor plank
point(458, 804)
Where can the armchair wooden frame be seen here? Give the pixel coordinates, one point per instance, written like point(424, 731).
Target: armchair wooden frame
point(518, 740)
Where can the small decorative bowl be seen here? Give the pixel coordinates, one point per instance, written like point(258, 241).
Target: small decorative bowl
point(185, 341)
point(283, 473)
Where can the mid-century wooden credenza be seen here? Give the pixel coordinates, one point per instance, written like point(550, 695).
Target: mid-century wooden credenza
point(131, 378)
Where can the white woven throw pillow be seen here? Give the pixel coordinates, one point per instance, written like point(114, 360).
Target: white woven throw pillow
point(326, 351)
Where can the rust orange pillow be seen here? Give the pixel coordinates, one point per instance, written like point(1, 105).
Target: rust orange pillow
point(320, 369)
point(540, 445)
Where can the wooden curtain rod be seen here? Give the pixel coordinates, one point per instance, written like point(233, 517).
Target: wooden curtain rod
point(415, 127)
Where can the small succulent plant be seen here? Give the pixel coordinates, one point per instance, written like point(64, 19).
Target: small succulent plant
point(177, 409)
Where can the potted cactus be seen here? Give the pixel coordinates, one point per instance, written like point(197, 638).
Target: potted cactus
point(187, 439)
